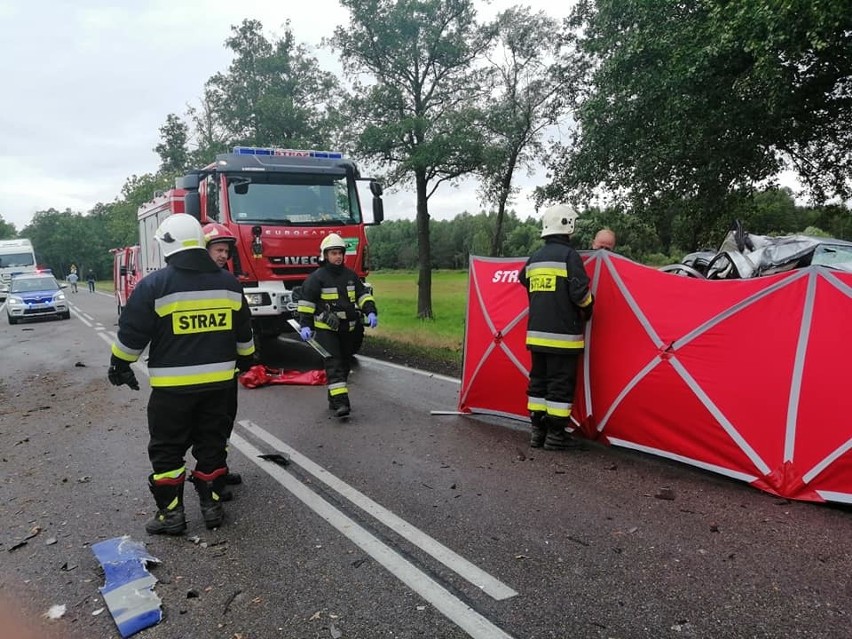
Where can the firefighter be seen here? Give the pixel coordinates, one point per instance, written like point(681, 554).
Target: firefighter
point(221, 242)
point(331, 305)
point(192, 316)
point(559, 301)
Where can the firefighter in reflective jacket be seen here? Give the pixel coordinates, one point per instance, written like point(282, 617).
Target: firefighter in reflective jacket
point(332, 302)
point(221, 245)
point(192, 316)
point(559, 300)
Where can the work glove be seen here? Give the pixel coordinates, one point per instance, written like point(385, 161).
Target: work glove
point(119, 375)
point(306, 333)
point(372, 320)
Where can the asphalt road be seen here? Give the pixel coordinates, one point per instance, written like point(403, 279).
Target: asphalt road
point(398, 523)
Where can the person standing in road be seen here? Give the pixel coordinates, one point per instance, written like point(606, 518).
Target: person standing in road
point(332, 301)
point(559, 301)
point(90, 278)
point(220, 243)
point(72, 280)
point(604, 239)
point(194, 319)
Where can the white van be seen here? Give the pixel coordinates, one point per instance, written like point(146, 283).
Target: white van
point(16, 256)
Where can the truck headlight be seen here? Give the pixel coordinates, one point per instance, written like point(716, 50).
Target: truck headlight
point(254, 299)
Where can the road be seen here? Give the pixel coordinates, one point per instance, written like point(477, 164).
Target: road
point(398, 523)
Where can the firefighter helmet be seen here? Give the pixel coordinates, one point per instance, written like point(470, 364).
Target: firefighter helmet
point(215, 232)
point(179, 232)
point(331, 241)
point(558, 220)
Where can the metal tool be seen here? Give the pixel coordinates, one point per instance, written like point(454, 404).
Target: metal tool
point(312, 342)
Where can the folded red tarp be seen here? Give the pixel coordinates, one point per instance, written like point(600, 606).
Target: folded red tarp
point(260, 375)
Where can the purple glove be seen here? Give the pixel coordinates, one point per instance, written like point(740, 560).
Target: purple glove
point(372, 320)
point(306, 333)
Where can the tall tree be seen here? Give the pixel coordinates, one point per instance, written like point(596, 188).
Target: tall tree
point(414, 114)
point(703, 100)
point(528, 96)
point(7, 229)
point(208, 136)
point(172, 148)
point(274, 92)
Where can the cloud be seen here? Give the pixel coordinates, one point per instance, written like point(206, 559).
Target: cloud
point(87, 85)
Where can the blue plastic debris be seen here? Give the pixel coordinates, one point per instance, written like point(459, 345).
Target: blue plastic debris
point(128, 586)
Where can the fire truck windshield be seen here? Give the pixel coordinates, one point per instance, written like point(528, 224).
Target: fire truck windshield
point(275, 198)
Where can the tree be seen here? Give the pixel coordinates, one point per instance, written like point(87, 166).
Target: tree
point(274, 92)
point(172, 149)
point(527, 97)
point(7, 229)
point(415, 117)
point(706, 100)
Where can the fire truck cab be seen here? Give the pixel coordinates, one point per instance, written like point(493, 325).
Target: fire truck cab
point(279, 204)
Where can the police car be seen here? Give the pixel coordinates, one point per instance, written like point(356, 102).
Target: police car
point(35, 295)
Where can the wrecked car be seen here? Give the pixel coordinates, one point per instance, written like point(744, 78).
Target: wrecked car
point(744, 255)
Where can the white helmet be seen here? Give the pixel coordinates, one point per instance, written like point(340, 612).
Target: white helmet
point(179, 232)
point(330, 241)
point(558, 220)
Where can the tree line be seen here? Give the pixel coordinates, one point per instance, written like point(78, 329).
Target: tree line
point(680, 117)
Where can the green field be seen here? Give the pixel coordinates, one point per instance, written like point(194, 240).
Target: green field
point(400, 329)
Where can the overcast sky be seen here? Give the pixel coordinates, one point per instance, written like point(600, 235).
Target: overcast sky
point(86, 85)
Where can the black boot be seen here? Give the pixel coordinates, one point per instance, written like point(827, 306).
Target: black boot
point(209, 487)
point(231, 479)
point(170, 518)
point(538, 432)
point(558, 438)
point(339, 404)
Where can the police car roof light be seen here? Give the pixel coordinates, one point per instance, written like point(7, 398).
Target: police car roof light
point(257, 150)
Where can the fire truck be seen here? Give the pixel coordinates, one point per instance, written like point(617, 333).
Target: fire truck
point(126, 271)
point(279, 204)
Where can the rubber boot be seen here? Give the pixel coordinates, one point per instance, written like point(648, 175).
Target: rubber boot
point(209, 487)
point(538, 431)
point(170, 518)
point(231, 479)
point(557, 437)
point(343, 408)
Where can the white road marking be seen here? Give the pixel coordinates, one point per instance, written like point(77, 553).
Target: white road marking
point(445, 602)
point(455, 562)
point(408, 369)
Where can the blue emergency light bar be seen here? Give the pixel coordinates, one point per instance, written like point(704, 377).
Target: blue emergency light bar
point(294, 153)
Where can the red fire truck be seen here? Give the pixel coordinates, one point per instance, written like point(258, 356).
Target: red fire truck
point(279, 204)
point(126, 271)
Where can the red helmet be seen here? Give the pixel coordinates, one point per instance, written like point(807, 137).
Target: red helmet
point(215, 232)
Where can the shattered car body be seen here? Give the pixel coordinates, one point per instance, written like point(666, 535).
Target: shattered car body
point(744, 255)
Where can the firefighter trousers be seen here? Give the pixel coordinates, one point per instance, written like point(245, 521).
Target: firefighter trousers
point(178, 422)
point(553, 378)
point(341, 345)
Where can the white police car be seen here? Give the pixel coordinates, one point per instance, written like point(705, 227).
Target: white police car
point(35, 295)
